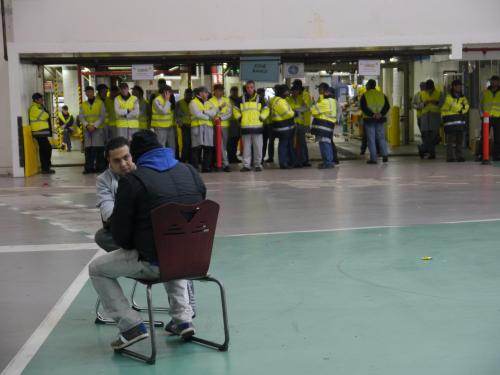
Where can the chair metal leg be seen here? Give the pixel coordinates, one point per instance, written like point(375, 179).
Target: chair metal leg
point(224, 346)
point(151, 359)
point(101, 320)
point(136, 307)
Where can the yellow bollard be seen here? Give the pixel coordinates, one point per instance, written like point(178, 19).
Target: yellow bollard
point(31, 158)
point(394, 134)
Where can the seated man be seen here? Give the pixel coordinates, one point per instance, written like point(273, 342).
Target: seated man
point(172, 182)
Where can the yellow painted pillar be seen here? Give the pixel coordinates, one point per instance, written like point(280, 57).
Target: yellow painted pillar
point(394, 135)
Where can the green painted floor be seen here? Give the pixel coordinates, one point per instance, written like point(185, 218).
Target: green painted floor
point(345, 303)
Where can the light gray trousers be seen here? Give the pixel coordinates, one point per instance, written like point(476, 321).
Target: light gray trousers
point(166, 137)
point(105, 270)
point(249, 141)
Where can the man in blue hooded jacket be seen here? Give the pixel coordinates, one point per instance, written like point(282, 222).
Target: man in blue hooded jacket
point(172, 182)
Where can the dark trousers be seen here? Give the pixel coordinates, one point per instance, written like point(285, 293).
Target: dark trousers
point(94, 159)
point(67, 138)
point(186, 144)
point(286, 153)
point(428, 145)
point(334, 150)
point(232, 149)
point(268, 139)
point(45, 152)
point(301, 148)
point(203, 155)
point(454, 142)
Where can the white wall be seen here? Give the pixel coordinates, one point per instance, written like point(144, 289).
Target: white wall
point(5, 128)
point(117, 25)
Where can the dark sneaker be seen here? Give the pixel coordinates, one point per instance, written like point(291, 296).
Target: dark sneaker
point(450, 160)
point(184, 330)
point(461, 160)
point(133, 335)
point(306, 165)
point(421, 152)
point(385, 159)
point(431, 157)
point(326, 166)
point(227, 168)
point(245, 169)
point(50, 171)
point(371, 162)
point(258, 169)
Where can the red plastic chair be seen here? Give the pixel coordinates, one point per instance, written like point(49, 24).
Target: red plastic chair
point(184, 236)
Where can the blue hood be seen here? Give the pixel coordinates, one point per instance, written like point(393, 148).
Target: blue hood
point(159, 159)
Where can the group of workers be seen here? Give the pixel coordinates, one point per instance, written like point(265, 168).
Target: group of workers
point(435, 108)
point(254, 123)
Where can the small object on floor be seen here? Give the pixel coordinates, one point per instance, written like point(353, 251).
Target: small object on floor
point(227, 168)
point(371, 162)
point(385, 159)
point(258, 169)
point(133, 335)
point(427, 258)
point(245, 169)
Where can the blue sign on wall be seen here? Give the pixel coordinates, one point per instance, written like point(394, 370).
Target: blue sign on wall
point(260, 68)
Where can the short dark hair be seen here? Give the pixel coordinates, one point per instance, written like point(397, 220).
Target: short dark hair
point(114, 88)
point(371, 84)
point(495, 78)
point(138, 88)
point(115, 143)
point(36, 96)
point(251, 81)
point(429, 84)
point(218, 86)
point(101, 86)
point(122, 85)
point(64, 107)
point(87, 88)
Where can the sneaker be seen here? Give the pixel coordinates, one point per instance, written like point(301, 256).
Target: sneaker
point(306, 165)
point(245, 169)
point(385, 159)
point(461, 160)
point(184, 330)
point(50, 171)
point(227, 168)
point(371, 162)
point(421, 152)
point(258, 169)
point(450, 160)
point(326, 166)
point(133, 335)
point(431, 157)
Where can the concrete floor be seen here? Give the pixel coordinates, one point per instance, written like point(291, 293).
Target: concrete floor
point(352, 300)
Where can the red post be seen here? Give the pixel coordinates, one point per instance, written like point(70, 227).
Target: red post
point(486, 138)
point(218, 142)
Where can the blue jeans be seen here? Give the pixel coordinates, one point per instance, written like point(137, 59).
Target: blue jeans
point(375, 133)
point(286, 153)
point(326, 149)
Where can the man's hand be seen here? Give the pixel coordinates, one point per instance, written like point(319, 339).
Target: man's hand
point(377, 116)
point(90, 128)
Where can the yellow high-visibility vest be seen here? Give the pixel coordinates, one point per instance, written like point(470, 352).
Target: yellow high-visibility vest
point(217, 103)
point(252, 114)
point(92, 112)
point(375, 100)
point(490, 102)
point(38, 118)
point(123, 122)
point(431, 107)
point(109, 104)
point(196, 122)
point(184, 115)
point(454, 110)
point(158, 119)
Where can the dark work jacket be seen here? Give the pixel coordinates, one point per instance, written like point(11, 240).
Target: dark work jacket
point(145, 189)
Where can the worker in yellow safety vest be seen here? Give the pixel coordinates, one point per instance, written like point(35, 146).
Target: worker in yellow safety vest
point(234, 128)
point(162, 118)
point(66, 122)
point(202, 130)
point(490, 103)
point(252, 110)
point(127, 112)
point(224, 112)
point(374, 105)
point(418, 104)
point(430, 120)
point(183, 120)
point(454, 113)
point(300, 101)
point(144, 108)
point(284, 127)
point(92, 117)
point(324, 114)
point(39, 119)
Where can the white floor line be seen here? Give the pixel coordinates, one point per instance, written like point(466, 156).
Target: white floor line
point(49, 247)
point(356, 228)
point(36, 340)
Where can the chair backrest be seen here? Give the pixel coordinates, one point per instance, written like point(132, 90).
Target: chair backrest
point(184, 235)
